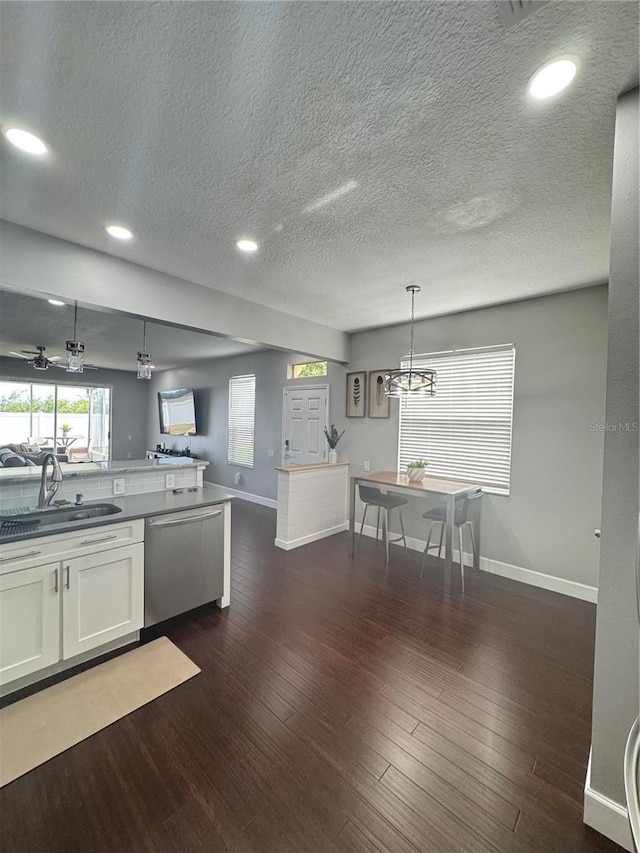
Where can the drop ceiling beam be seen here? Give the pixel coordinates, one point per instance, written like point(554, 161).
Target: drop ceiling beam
point(33, 262)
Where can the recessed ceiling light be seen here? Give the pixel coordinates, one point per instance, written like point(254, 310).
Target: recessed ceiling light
point(552, 78)
point(119, 232)
point(246, 245)
point(26, 141)
point(55, 302)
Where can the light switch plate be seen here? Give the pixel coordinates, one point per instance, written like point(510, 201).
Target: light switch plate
point(170, 481)
point(118, 486)
point(366, 465)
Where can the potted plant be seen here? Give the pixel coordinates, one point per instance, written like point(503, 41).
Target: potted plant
point(66, 429)
point(415, 469)
point(333, 437)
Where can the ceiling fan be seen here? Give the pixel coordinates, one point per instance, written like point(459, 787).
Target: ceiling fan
point(37, 359)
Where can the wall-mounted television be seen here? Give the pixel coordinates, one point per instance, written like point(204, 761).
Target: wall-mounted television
point(177, 412)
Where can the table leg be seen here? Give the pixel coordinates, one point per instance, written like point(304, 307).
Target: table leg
point(385, 522)
point(477, 525)
point(352, 515)
point(448, 541)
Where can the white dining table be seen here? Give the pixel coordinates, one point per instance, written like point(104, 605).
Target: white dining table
point(449, 490)
point(64, 441)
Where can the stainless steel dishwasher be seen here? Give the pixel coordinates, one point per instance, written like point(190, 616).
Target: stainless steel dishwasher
point(183, 562)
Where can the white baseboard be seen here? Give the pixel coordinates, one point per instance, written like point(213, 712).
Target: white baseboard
point(247, 496)
point(550, 582)
point(312, 537)
point(506, 570)
point(605, 815)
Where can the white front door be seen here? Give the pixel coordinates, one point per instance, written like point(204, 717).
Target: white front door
point(306, 414)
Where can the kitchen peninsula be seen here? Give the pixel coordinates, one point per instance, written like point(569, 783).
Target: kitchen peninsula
point(99, 480)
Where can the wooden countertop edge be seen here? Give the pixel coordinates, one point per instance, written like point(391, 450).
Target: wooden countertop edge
point(316, 466)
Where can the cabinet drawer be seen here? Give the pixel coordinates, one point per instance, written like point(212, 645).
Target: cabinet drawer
point(32, 552)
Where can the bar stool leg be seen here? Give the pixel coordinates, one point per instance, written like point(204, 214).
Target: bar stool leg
point(378, 526)
point(404, 538)
point(426, 550)
point(364, 515)
point(441, 523)
point(461, 556)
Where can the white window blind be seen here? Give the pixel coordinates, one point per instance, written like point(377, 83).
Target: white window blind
point(242, 411)
point(464, 431)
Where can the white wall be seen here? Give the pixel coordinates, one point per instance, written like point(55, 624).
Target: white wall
point(547, 522)
point(15, 427)
point(35, 263)
point(615, 697)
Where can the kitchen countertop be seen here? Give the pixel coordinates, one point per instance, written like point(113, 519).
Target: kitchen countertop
point(313, 466)
point(133, 506)
point(96, 469)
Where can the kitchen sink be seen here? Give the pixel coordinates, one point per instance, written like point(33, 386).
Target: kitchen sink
point(46, 516)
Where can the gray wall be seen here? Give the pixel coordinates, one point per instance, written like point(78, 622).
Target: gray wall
point(129, 401)
point(615, 698)
point(211, 383)
point(547, 522)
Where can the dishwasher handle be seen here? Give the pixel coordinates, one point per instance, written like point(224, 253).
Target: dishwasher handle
point(189, 520)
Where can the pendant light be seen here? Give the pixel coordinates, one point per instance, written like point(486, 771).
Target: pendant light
point(144, 358)
point(75, 348)
point(406, 383)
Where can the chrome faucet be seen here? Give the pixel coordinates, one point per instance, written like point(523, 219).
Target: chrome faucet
point(47, 492)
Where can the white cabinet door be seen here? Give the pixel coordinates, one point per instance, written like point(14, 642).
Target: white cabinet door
point(29, 621)
point(103, 598)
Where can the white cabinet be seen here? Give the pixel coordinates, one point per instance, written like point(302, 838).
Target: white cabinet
point(66, 594)
point(29, 621)
point(103, 598)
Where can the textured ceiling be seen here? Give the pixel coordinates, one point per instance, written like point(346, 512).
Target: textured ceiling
point(195, 123)
point(111, 340)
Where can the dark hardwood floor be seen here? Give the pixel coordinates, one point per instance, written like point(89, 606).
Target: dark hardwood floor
point(341, 707)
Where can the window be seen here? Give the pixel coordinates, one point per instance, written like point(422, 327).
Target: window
point(309, 368)
point(71, 419)
point(242, 412)
point(464, 431)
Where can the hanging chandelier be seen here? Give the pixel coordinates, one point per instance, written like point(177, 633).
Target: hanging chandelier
point(144, 358)
point(75, 348)
point(403, 383)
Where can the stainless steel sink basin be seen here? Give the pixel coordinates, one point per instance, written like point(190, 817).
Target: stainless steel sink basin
point(56, 515)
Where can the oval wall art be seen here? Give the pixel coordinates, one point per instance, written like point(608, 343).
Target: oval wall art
point(378, 400)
